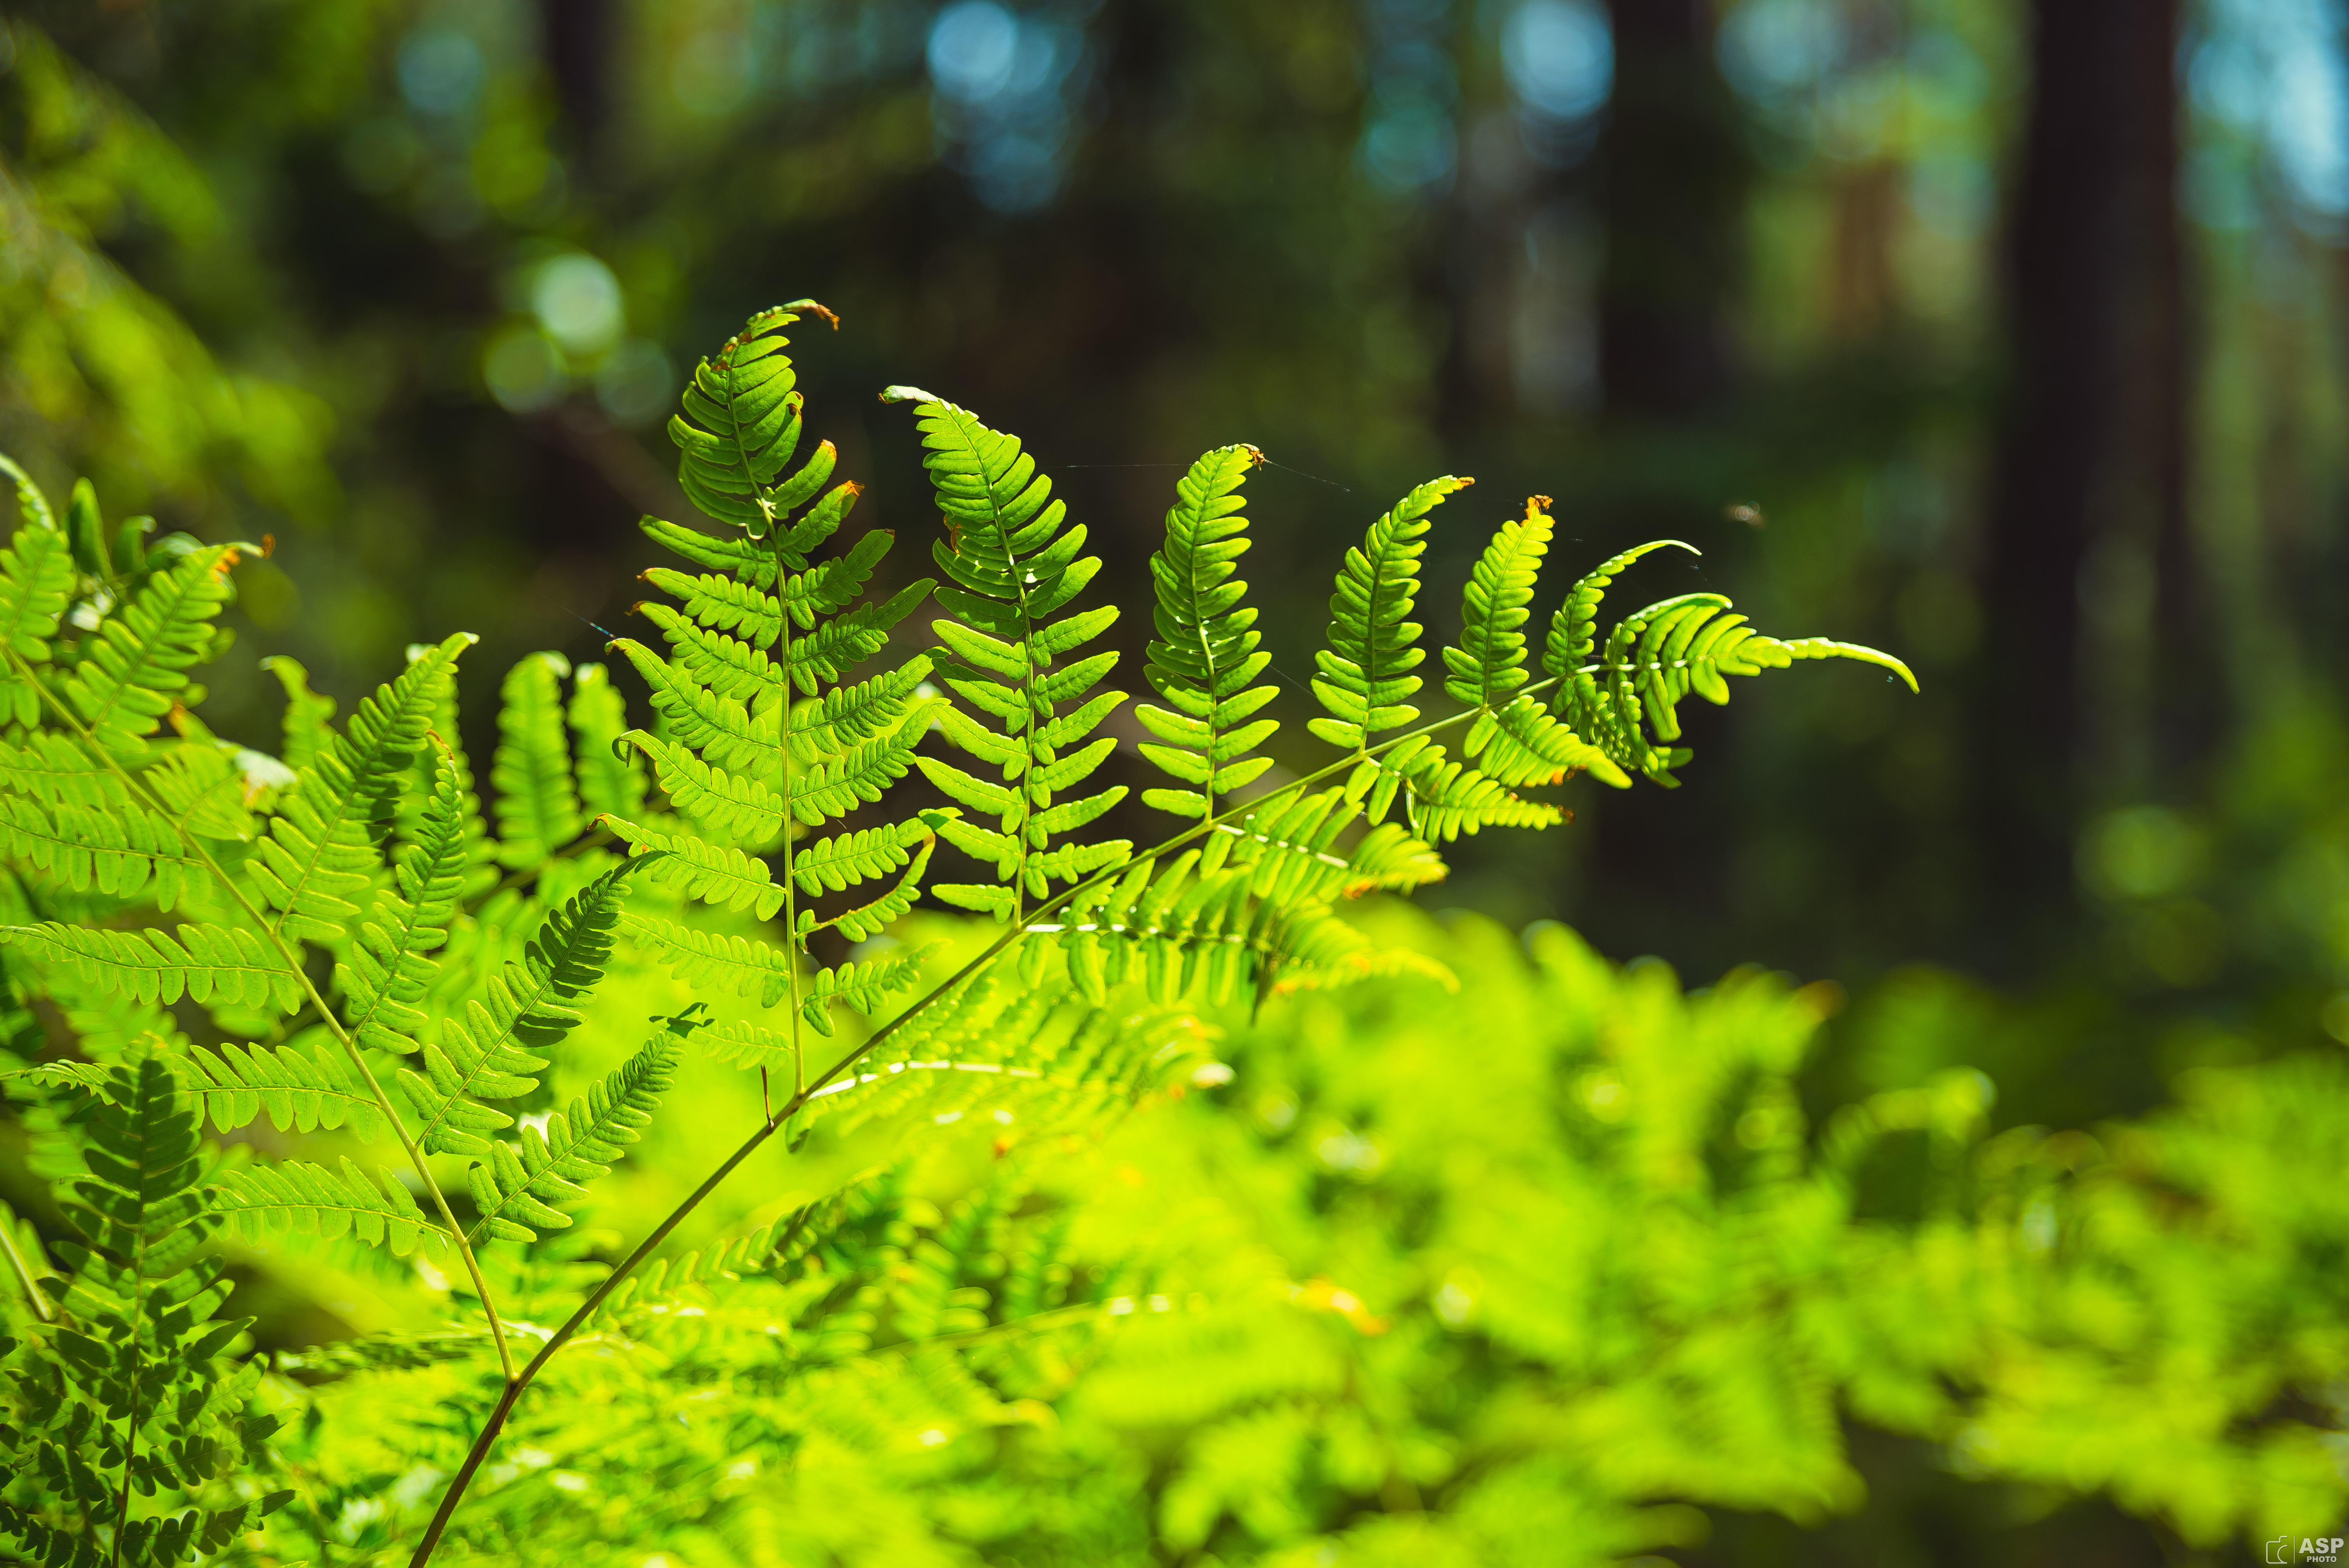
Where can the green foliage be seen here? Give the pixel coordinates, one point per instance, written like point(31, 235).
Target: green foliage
point(124, 1433)
point(493, 969)
point(1205, 654)
point(1011, 570)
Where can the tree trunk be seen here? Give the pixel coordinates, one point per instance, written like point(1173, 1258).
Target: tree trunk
point(2090, 470)
point(1672, 180)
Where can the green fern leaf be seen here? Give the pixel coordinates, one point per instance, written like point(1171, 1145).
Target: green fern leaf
point(867, 919)
point(714, 873)
point(1656, 655)
point(1012, 569)
point(537, 805)
point(1205, 652)
point(1445, 799)
point(1574, 630)
point(299, 1091)
point(735, 557)
point(309, 717)
point(208, 964)
point(609, 782)
point(1488, 663)
point(37, 579)
point(492, 1050)
point(733, 964)
point(390, 968)
point(865, 986)
point(126, 852)
point(1522, 743)
point(325, 843)
point(311, 1200)
point(741, 425)
point(213, 788)
point(519, 1187)
point(832, 865)
point(1365, 680)
point(132, 672)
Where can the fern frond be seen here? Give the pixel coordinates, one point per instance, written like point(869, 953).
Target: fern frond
point(1574, 630)
point(123, 851)
point(1206, 654)
point(309, 717)
point(865, 986)
point(206, 964)
point(725, 806)
point(520, 1186)
point(390, 968)
point(1522, 743)
point(1012, 569)
point(1656, 655)
point(490, 1051)
point(741, 425)
point(868, 918)
point(744, 967)
point(325, 841)
point(1443, 799)
point(299, 1091)
point(134, 671)
point(1488, 663)
point(313, 1201)
point(735, 557)
point(609, 782)
point(537, 805)
point(714, 873)
point(831, 865)
point(213, 788)
point(848, 639)
point(37, 579)
point(1365, 681)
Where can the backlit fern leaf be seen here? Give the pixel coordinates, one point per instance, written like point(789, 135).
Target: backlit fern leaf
point(36, 581)
point(122, 1389)
point(127, 851)
point(205, 963)
point(523, 1183)
point(1626, 703)
point(490, 1050)
point(312, 1199)
point(134, 669)
point(608, 781)
point(863, 987)
point(1013, 570)
point(1205, 652)
point(537, 804)
point(869, 918)
point(325, 843)
point(1365, 680)
point(714, 873)
point(1487, 665)
point(741, 425)
point(390, 967)
point(1444, 800)
point(308, 724)
point(735, 963)
point(298, 1090)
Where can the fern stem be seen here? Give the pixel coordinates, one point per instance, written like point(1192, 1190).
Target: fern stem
point(793, 944)
point(480, 1453)
point(24, 1270)
point(326, 1015)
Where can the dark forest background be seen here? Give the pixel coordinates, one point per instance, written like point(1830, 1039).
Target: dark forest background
point(2002, 336)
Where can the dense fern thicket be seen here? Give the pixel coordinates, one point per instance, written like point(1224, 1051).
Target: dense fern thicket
point(671, 1183)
